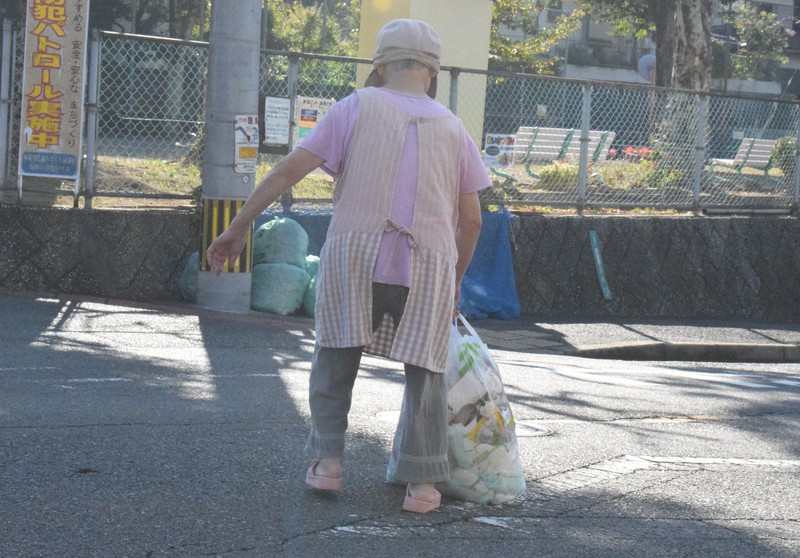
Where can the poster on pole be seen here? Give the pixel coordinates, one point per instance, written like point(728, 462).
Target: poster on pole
point(53, 86)
point(245, 135)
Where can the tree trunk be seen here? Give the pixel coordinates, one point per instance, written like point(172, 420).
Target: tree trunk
point(692, 68)
point(664, 15)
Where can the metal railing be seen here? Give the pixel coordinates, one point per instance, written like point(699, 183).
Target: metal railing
point(665, 149)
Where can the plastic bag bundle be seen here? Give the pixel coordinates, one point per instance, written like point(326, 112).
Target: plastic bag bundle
point(278, 288)
point(281, 240)
point(312, 265)
point(282, 271)
point(485, 466)
point(187, 282)
point(488, 289)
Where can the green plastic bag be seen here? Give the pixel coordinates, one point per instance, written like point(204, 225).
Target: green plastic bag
point(278, 288)
point(281, 240)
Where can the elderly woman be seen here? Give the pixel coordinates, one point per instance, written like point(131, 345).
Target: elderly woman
point(405, 222)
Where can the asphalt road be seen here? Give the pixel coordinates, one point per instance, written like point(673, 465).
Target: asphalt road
point(155, 432)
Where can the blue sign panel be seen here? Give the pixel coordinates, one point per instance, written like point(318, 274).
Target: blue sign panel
point(44, 163)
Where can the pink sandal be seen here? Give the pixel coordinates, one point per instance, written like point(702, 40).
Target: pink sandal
point(322, 483)
point(421, 506)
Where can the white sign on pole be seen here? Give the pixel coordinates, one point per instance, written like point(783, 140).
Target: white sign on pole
point(276, 120)
point(53, 88)
point(246, 140)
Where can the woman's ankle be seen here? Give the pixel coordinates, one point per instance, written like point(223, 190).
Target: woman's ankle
point(422, 491)
point(329, 467)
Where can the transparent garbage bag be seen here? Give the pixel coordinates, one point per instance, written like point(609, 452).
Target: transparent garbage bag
point(483, 453)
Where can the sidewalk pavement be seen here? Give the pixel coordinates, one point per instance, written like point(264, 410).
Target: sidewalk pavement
point(638, 339)
point(171, 430)
point(676, 339)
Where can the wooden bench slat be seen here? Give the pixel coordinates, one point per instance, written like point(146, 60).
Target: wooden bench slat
point(752, 152)
point(553, 144)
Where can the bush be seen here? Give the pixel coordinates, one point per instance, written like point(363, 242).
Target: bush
point(784, 155)
point(647, 173)
point(557, 175)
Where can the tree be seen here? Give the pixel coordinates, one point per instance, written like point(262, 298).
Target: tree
point(313, 26)
point(107, 15)
point(517, 42)
point(763, 41)
point(321, 26)
point(683, 36)
point(13, 10)
point(693, 50)
point(184, 18)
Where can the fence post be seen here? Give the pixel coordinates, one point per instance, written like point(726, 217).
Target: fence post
point(91, 116)
point(583, 167)
point(291, 86)
point(796, 198)
point(5, 101)
point(699, 151)
point(287, 198)
point(454, 72)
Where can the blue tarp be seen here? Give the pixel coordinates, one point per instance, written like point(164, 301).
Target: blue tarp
point(489, 289)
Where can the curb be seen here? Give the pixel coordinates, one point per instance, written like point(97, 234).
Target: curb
point(715, 352)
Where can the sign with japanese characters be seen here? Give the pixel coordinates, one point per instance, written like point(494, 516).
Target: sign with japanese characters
point(309, 111)
point(53, 88)
point(245, 135)
point(276, 120)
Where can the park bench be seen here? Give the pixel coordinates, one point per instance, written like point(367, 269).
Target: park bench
point(537, 145)
point(753, 153)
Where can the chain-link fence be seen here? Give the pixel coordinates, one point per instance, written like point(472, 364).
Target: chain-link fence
point(150, 112)
point(615, 145)
point(12, 50)
point(566, 142)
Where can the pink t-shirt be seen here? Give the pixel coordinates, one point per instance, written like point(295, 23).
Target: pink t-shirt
point(330, 140)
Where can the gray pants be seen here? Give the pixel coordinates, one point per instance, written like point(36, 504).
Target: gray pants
point(420, 443)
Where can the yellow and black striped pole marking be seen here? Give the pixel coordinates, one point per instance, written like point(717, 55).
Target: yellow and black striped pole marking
point(217, 215)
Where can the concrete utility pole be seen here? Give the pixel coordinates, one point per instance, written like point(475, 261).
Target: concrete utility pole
point(230, 148)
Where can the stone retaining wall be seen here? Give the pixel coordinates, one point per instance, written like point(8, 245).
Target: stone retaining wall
point(671, 267)
point(693, 267)
point(136, 255)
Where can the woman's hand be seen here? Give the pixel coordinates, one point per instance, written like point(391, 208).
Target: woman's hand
point(227, 247)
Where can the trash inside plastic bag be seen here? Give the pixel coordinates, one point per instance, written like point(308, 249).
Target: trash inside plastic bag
point(483, 453)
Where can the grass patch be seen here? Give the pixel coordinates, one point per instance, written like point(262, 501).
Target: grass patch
point(154, 176)
point(151, 176)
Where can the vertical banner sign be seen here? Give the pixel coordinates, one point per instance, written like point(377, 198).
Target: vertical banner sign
point(53, 88)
